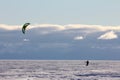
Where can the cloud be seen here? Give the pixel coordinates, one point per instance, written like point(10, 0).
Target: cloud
point(73, 29)
point(92, 28)
point(108, 35)
point(45, 41)
point(9, 27)
point(53, 26)
point(78, 38)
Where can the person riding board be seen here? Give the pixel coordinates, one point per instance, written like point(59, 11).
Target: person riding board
point(87, 63)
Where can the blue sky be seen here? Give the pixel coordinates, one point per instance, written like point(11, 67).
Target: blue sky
point(60, 29)
point(102, 12)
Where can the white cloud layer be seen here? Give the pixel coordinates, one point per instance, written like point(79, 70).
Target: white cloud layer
point(93, 28)
point(9, 27)
point(85, 29)
point(108, 35)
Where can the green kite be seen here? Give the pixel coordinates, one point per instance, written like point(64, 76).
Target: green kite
point(24, 27)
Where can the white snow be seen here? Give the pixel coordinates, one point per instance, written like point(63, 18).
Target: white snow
point(59, 70)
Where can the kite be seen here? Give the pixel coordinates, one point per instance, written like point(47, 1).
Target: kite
point(24, 27)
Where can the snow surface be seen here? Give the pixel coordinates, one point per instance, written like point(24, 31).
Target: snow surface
point(59, 70)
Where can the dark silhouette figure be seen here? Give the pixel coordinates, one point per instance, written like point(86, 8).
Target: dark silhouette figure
point(87, 63)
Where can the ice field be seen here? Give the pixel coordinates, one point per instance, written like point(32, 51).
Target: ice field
point(59, 70)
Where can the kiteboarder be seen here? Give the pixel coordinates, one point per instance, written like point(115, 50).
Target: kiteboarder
point(87, 63)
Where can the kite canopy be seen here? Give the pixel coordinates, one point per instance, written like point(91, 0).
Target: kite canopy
point(24, 27)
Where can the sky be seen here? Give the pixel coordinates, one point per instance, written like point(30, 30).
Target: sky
point(60, 29)
point(102, 12)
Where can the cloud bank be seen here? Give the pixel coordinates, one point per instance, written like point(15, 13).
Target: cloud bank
point(108, 35)
point(70, 28)
point(63, 27)
point(51, 41)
